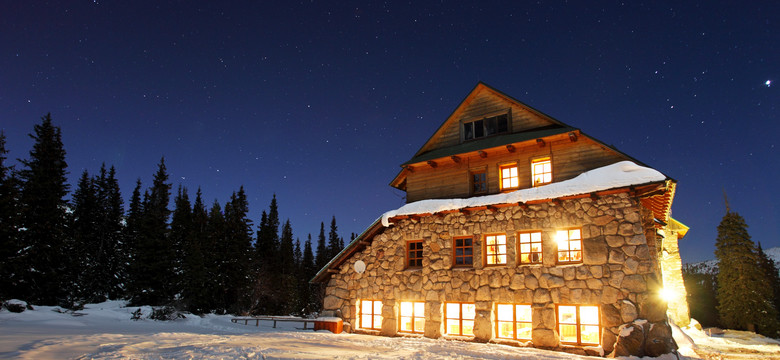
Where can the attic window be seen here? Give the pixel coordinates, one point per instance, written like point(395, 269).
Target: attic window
point(486, 127)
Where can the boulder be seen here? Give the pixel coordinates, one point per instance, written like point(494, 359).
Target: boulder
point(630, 341)
point(659, 340)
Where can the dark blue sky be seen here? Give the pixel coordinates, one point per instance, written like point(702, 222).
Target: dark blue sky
point(319, 102)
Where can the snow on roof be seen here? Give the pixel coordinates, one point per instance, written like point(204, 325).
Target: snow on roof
point(621, 174)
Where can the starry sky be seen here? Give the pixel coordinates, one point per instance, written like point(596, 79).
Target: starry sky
point(320, 102)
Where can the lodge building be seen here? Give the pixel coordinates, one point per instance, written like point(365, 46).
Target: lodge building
point(518, 229)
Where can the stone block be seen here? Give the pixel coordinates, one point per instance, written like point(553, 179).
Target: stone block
point(542, 296)
point(628, 311)
point(531, 282)
point(610, 295)
point(518, 282)
point(634, 283)
point(615, 240)
point(630, 341)
point(594, 251)
point(544, 338)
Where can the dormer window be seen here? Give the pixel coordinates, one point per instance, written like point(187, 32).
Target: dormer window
point(485, 127)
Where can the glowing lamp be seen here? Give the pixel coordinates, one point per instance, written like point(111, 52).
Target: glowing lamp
point(667, 294)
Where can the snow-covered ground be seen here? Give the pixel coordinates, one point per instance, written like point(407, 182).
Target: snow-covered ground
point(106, 331)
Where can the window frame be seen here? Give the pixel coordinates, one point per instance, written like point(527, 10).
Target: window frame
point(540, 161)
point(372, 314)
point(514, 322)
point(578, 324)
point(409, 256)
point(531, 242)
point(472, 183)
point(501, 168)
point(558, 251)
point(464, 256)
point(485, 254)
point(483, 123)
point(460, 318)
point(413, 317)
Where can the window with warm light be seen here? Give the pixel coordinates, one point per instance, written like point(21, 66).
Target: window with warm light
point(414, 253)
point(459, 318)
point(463, 252)
point(530, 247)
point(569, 245)
point(579, 324)
point(514, 321)
point(495, 250)
point(370, 314)
point(479, 182)
point(509, 177)
point(541, 171)
point(412, 317)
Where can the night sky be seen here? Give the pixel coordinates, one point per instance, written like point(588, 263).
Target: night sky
point(320, 102)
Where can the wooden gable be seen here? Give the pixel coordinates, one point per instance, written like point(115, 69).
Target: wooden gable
point(485, 101)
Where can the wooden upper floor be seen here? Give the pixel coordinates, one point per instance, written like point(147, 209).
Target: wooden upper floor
point(493, 143)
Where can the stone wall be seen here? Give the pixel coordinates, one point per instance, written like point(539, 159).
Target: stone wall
point(619, 271)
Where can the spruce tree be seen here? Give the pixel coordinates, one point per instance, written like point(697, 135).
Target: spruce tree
point(195, 294)
point(130, 237)
point(9, 227)
point(771, 276)
point(308, 271)
point(181, 231)
point(213, 257)
point(287, 280)
point(334, 241)
point(322, 249)
point(235, 267)
point(43, 216)
point(85, 242)
point(744, 300)
point(154, 265)
point(110, 231)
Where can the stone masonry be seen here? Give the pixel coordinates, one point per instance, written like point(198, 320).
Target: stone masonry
point(620, 272)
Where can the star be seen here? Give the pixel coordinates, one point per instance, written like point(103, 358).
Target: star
point(768, 83)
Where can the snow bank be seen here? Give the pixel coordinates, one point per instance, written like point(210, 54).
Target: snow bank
point(624, 173)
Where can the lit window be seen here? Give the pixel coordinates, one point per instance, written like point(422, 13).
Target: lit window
point(530, 247)
point(495, 249)
point(370, 314)
point(569, 245)
point(579, 324)
point(459, 318)
point(479, 182)
point(541, 171)
point(509, 177)
point(463, 251)
point(486, 127)
point(412, 317)
point(514, 321)
point(414, 253)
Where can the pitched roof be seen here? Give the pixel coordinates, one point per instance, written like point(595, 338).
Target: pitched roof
point(489, 142)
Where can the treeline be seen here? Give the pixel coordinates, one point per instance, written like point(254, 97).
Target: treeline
point(743, 292)
point(194, 257)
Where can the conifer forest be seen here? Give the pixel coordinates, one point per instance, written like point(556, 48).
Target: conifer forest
point(167, 247)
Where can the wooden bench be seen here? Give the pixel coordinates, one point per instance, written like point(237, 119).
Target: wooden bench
point(332, 324)
point(257, 319)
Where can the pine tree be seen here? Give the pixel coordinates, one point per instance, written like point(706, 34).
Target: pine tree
point(744, 300)
point(9, 227)
point(322, 249)
point(154, 264)
point(771, 277)
point(43, 216)
point(702, 290)
point(130, 236)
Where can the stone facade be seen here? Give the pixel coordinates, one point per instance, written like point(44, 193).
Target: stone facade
point(620, 271)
